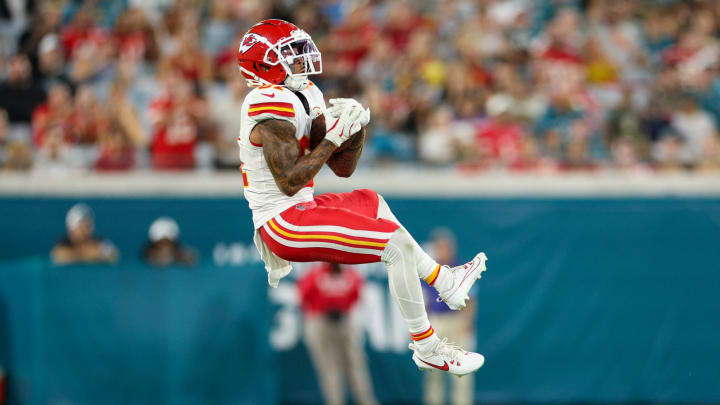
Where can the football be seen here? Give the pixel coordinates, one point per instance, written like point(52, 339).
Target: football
point(317, 131)
point(317, 134)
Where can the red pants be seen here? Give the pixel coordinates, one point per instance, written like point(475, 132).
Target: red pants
point(339, 228)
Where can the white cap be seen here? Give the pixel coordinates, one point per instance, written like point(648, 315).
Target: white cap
point(505, 12)
point(498, 104)
point(48, 43)
point(77, 214)
point(164, 228)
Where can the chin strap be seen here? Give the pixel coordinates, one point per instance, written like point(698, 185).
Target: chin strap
point(255, 80)
point(294, 83)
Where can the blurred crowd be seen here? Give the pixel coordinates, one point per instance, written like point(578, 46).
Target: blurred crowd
point(517, 85)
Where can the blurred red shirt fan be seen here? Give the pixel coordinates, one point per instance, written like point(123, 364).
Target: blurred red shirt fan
point(325, 290)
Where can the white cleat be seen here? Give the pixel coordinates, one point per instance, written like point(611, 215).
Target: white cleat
point(448, 357)
point(464, 277)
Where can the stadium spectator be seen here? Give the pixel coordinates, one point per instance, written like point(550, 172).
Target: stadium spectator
point(553, 128)
point(51, 62)
point(134, 35)
point(80, 244)
point(82, 31)
point(55, 112)
point(91, 64)
point(695, 126)
point(328, 293)
point(164, 248)
point(458, 324)
point(88, 117)
point(19, 92)
point(667, 152)
point(378, 66)
point(626, 157)
point(498, 138)
point(57, 157)
point(115, 152)
point(350, 40)
point(125, 115)
point(441, 144)
point(14, 153)
point(45, 21)
point(188, 59)
point(175, 132)
point(625, 122)
point(17, 157)
point(174, 17)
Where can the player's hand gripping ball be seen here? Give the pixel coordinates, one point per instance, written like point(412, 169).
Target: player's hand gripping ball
point(318, 128)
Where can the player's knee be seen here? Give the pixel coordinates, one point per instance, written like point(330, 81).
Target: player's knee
point(398, 246)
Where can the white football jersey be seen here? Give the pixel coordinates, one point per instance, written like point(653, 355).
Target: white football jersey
point(274, 102)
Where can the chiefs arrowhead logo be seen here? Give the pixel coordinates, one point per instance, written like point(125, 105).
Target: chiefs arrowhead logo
point(249, 41)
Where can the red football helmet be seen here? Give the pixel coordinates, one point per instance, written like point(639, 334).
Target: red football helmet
point(277, 52)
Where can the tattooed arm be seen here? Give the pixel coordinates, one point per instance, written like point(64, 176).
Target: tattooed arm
point(291, 170)
point(343, 163)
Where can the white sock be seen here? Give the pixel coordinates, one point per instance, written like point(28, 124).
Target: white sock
point(428, 269)
point(443, 280)
point(406, 290)
point(423, 334)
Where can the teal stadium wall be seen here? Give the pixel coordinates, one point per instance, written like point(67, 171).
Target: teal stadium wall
point(592, 300)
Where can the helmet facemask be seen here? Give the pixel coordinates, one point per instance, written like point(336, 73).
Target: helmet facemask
point(299, 56)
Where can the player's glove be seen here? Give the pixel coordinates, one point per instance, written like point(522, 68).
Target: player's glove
point(339, 123)
point(364, 118)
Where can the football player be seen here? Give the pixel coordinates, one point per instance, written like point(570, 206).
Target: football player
point(293, 225)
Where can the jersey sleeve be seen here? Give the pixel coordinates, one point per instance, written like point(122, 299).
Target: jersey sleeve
point(271, 103)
